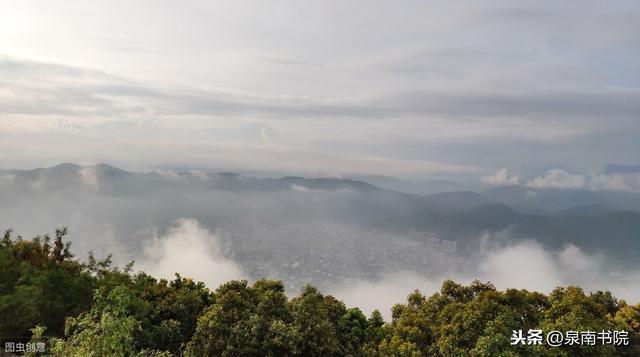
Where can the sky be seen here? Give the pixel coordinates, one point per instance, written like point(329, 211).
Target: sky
point(412, 89)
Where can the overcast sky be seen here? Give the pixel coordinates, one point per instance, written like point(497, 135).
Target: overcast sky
point(414, 89)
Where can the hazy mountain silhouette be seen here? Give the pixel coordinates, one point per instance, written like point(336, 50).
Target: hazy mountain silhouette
point(546, 201)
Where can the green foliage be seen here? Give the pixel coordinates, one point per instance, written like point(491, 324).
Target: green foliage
point(170, 311)
point(40, 284)
point(246, 321)
point(478, 320)
point(93, 309)
point(259, 320)
point(108, 329)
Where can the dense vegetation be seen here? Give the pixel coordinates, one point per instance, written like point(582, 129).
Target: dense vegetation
point(93, 309)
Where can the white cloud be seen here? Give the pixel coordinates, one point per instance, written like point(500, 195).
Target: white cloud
point(616, 182)
point(561, 179)
point(502, 178)
point(385, 292)
point(192, 251)
point(167, 173)
point(305, 189)
point(522, 265)
point(88, 176)
point(199, 174)
point(557, 178)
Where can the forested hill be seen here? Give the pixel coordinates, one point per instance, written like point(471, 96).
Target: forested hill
point(89, 308)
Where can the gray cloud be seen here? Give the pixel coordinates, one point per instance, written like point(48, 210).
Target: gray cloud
point(406, 83)
point(43, 88)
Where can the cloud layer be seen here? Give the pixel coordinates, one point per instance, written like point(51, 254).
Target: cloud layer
point(358, 86)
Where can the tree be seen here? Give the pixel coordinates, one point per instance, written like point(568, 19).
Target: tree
point(40, 285)
point(246, 321)
point(108, 329)
point(171, 309)
point(571, 310)
point(314, 318)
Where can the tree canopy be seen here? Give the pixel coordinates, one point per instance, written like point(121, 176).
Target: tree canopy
point(93, 309)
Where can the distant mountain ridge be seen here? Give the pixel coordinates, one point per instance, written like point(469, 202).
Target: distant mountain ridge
point(546, 201)
point(418, 188)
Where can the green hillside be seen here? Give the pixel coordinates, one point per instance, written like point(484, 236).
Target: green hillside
point(89, 308)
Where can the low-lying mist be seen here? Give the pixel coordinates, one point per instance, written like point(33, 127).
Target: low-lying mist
point(193, 251)
point(190, 250)
point(506, 264)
